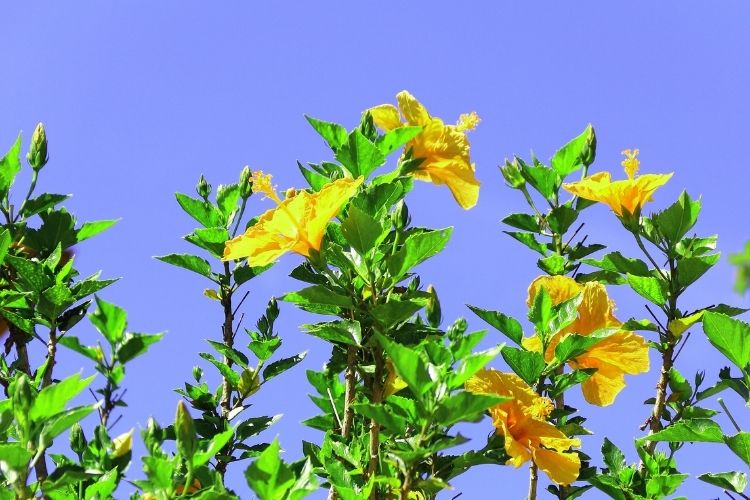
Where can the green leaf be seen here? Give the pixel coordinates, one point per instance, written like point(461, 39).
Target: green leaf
point(544, 180)
point(699, 430)
point(648, 287)
point(14, 456)
point(90, 285)
point(616, 262)
point(471, 364)
point(394, 312)
point(189, 262)
point(209, 238)
point(614, 459)
point(360, 155)
point(527, 222)
point(232, 376)
point(410, 365)
point(730, 336)
point(529, 240)
point(417, 248)
point(90, 229)
point(42, 203)
point(675, 221)
point(346, 332)
point(202, 211)
point(135, 344)
point(680, 387)
point(104, 486)
point(333, 133)
point(215, 445)
point(314, 179)
point(528, 365)
point(740, 445)
point(244, 273)
point(226, 198)
point(732, 481)
point(575, 154)
point(52, 399)
point(31, 274)
point(110, 320)
point(362, 231)
point(317, 295)
point(5, 241)
point(268, 476)
point(282, 365)
point(574, 345)
point(396, 138)
point(10, 164)
point(692, 268)
point(508, 326)
point(553, 265)
point(74, 343)
point(60, 422)
point(561, 218)
point(384, 415)
point(465, 406)
point(540, 312)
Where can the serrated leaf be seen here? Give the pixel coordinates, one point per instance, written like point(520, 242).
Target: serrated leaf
point(733, 481)
point(730, 336)
point(576, 153)
point(699, 430)
point(362, 231)
point(282, 365)
point(416, 249)
point(91, 229)
point(648, 287)
point(508, 326)
point(529, 240)
point(333, 133)
point(528, 365)
point(52, 399)
point(343, 331)
point(202, 211)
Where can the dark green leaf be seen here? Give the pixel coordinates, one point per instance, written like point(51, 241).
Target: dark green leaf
point(110, 320)
point(410, 365)
point(544, 180)
point(561, 218)
point(617, 262)
point(360, 155)
point(528, 365)
point(282, 365)
point(229, 374)
point(361, 230)
point(529, 240)
point(508, 326)
point(740, 445)
point(343, 331)
point(10, 164)
point(212, 239)
point(692, 268)
point(396, 138)
point(416, 249)
point(575, 154)
point(394, 312)
point(135, 344)
point(42, 203)
point(527, 222)
point(675, 221)
point(226, 198)
point(317, 295)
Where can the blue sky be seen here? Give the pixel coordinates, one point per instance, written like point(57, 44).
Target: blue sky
point(140, 98)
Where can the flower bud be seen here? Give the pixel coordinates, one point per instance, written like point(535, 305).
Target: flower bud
point(512, 174)
point(434, 313)
point(22, 400)
point(246, 182)
point(203, 188)
point(122, 444)
point(290, 193)
point(77, 439)
point(249, 383)
point(400, 216)
point(184, 429)
point(37, 155)
point(589, 152)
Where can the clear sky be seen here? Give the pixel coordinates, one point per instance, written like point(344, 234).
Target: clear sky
point(141, 97)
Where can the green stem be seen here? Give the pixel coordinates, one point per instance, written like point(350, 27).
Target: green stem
point(239, 217)
point(32, 186)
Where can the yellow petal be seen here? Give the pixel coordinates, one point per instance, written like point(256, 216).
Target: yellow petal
point(562, 468)
point(559, 288)
point(122, 444)
point(413, 110)
point(386, 117)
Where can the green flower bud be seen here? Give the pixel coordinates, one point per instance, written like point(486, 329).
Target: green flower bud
point(434, 313)
point(77, 439)
point(184, 429)
point(589, 153)
point(512, 174)
point(400, 216)
point(197, 373)
point(37, 155)
point(246, 182)
point(23, 398)
point(203, 188)
point(249, 383)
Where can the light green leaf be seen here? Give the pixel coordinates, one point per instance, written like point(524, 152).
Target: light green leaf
point(344, 331)
point(740, 445)
point(732, 481)
point(508, 326)
point(394, 139)
point(648, 287)
point(333, 133)
point(10, 164)
point(730, 336)
point(202, 211)
point(53, 398)
point(189, 262)
point(699, 430)
point(268, 476)
point(110, 320)
point(528, 365)
point(90, 229)
point(362, 231)
point(575, 154)
point(417, 248)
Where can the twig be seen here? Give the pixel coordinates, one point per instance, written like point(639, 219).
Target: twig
point(729, 414)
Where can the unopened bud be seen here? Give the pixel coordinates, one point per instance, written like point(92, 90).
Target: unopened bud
point(203, 188)
point(512, 174)
point(184, 429)
point(37, 155)
point(589, 152)
point(434, 313)
point(77, 439)
point(22, 399)
point(246, 182)
point(197, 373)
point(122, 444)
point(400, 216)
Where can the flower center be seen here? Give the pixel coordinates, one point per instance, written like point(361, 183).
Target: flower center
point(631, 163)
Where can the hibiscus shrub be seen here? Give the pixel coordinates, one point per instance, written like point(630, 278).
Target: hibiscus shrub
point(398, 380)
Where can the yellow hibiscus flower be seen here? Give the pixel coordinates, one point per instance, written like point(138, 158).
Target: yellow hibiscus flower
point(522, 421)
point(630, 194)
point(297, 223)
point(443, 148)
point(620, 353)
